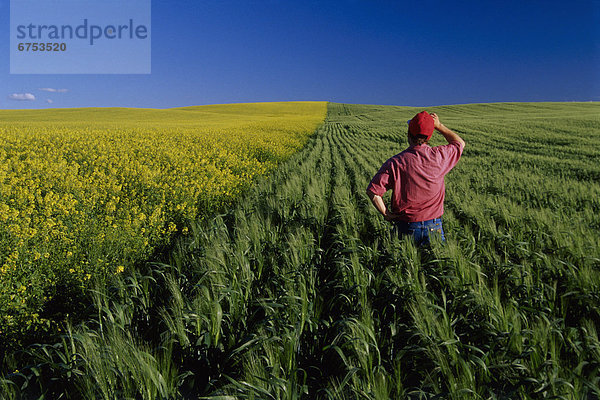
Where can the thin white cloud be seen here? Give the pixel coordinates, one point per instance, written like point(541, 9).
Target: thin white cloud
point(47, 89)
point(21, 97)
point(49, 101)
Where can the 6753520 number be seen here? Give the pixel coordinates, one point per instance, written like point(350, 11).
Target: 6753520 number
point(42, 46)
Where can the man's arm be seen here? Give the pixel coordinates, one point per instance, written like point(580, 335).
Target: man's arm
point(448, 134)
point(380, 206)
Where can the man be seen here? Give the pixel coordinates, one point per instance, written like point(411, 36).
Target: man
point(416, 178)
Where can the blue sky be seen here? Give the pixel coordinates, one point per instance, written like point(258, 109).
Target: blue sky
point(418, 53)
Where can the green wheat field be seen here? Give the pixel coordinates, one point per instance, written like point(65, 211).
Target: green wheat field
point(297, 289)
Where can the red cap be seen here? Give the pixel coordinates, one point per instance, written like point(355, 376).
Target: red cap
point(421, 124)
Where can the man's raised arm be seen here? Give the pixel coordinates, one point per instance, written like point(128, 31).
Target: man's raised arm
point(448, 134)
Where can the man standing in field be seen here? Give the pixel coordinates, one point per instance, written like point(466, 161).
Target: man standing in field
point(416, 178)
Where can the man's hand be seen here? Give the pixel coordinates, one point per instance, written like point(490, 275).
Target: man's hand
point(380, 206)
point(390, 216)
point(436, 121)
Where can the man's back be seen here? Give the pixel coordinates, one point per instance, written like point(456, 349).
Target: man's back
point(416, 178)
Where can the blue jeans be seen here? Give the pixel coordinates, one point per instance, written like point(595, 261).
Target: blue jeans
point(421, 230)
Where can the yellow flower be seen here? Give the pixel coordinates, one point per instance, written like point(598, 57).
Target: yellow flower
point(120, 269)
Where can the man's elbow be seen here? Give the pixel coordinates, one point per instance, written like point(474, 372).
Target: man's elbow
point(460, 141)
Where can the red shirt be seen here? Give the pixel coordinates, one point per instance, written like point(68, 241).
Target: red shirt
point(416, 178)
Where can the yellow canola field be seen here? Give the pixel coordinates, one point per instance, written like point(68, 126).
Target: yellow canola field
point(86, 193)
